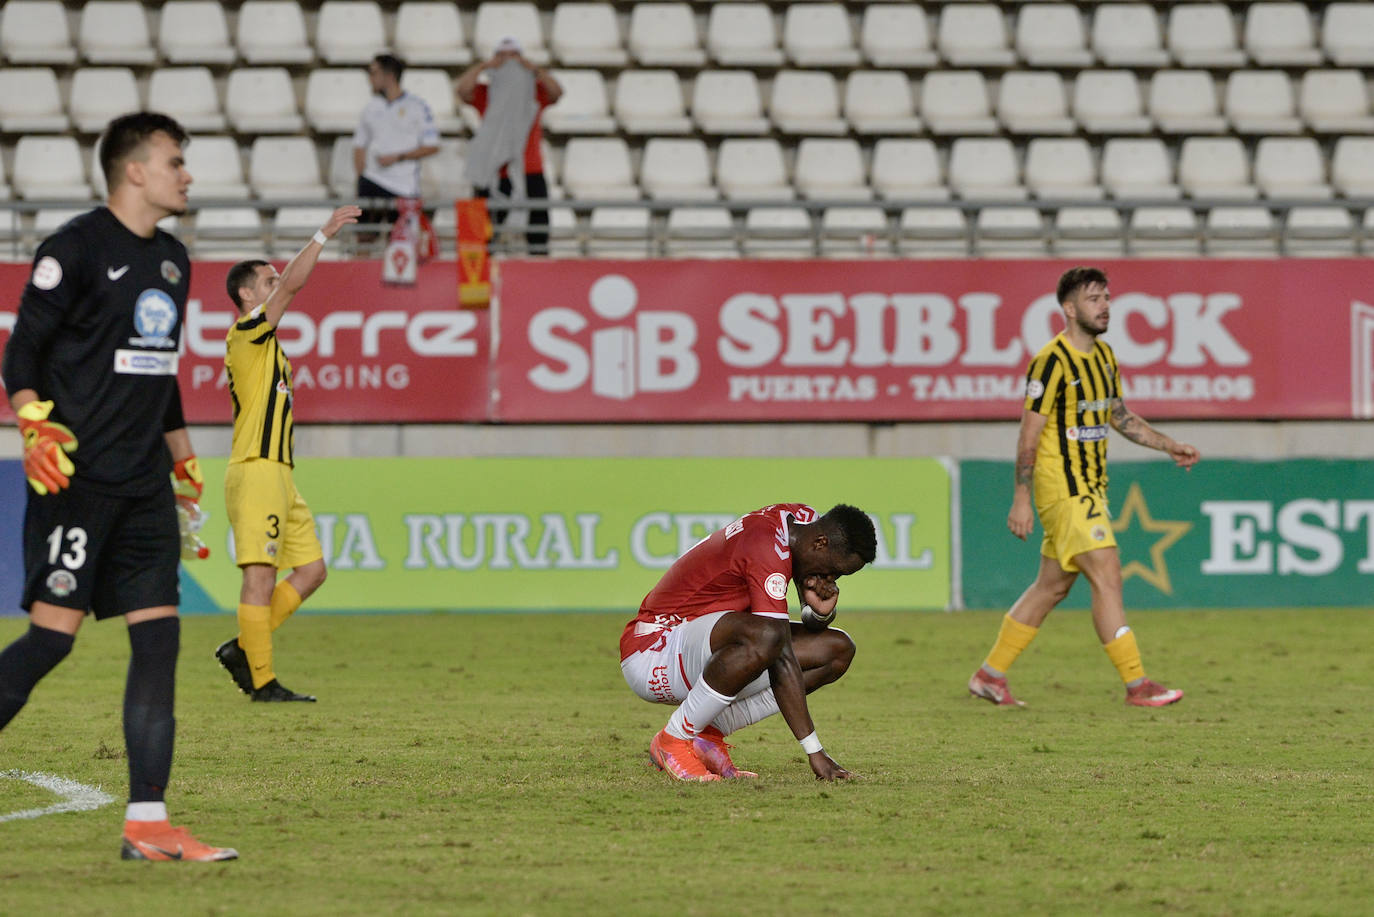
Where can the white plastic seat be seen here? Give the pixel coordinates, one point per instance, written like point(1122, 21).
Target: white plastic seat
point(1319, 232)
point(1185, 102)
point(1134, 168)
point(586, 35)
point(35, 32)
point(115, 32)
point(260, 100)
point(984, 167)
point(619, 232)
point(435, 88)
point(1336, 102)
point(1109, 102)
point(778, 232)
point(430, 34)
point(1291, 167)
point(30, 101)
point(49, 167)
point(583, 107)
point(650, 102)
point(676, 169)
point(100, 94)
point(1010, 232)
point(48, 220)
point(1034, 102)
point(228, 234)
point(1204, 35)
point(194, 32)
point(973, 35)
point(217, 169)
point(806, 102)
point(441, 175)
point(932, 232)
point(272, 32)
point(340, 176)
point(498, 18)
point(854, 232)
point(700, 232)
point(565, 235)
point(728, 102)
point(752, 170)
point(1087, 232)
point(880, 102)
point(1261, 102)
point(349, 31)
point(598, 168)
point(1347, 34)
point(956, 102)
point(831, 169)
point(1215, 167)
point(896, 35)
point(7, 222)
point(1241, 232)
point(292, 227)
point(664, 35)
point(281, 168)
point(742, 35)
point(1051, 35)
point(334, 98)
point(1061, 168)
point(1352, 166)
point(908, 170)
point(1281, 35)
point(1127, 35)
point(1164, 232)
point(818, 35)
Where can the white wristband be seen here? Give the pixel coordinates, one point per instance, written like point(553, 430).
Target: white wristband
point(811, 744)
point(320, 237)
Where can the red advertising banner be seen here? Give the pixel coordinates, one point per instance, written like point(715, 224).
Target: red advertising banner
point(362, 351)
point(903, 340)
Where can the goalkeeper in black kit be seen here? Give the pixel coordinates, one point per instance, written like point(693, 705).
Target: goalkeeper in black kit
point(90, 370)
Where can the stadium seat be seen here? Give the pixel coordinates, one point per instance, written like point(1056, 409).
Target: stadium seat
point(1204, 35)
point(598, 168)
point(984, 168)
point(818, 35)
point(973, 35)
point(1061, 168)
point(281, 168)
point(742, 35)
point(583, 108)
point(1352, 166)
point(1281, 35)
point(677, 169)
point(619, 232)
point(441, 175)
point(100, 94)
point(932, 232)
point(1335, 102)
point(749, 169)
point(48, 220)
point(956, 102)
point(700, 232)
point(228, 234)
point(1240, 232)
point(1127, 35)
point(49, 167)
point(1134, 168)
point(1010, 232)
point(908, 170)
point(435, 88)
point(35, 32)
point(650, 102)
point(342, 180)
point(1164, 232)
point(292, 227)
point(1319, 232)
point(896, 35)
point(664, 35)
point(349, 32)
point(194, 32)
point(880, 102)
point(272, 32)
point(260, 100)
point(498, 18)
point(334, 98)
point(831, 168)
point(806, 102)
point(1033, 102)
point(216, 166)
point(1291, 167)
point(854, 232)
point(1347, 34)
point(566, 237)
point(430, 34)
point(1051, 35)
point(778, 232)
point(115, 32)
point(1215, 167)
point(1185, 102)
point(1087, 232)
point(1261, 102)
point(30, 102)
point(1109, 102)
point(728, 102)
point(586, 35)
point(5, 193)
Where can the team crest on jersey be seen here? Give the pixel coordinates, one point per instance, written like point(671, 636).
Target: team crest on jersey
point(1034, 388)
point(155, 318)
point(776, 585)
point(61, 583)
point(271, 549)
point(171, 273)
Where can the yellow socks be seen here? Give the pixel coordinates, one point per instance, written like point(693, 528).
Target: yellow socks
point(1125, 655)
point(1011, 640)
point(255, 636)
point(285, 600)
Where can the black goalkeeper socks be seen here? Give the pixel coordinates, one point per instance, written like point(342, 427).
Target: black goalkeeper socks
point(24, 662)
point(149, 728)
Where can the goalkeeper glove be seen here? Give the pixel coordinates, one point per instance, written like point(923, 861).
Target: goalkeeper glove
point(187, 481)
point(46, 444)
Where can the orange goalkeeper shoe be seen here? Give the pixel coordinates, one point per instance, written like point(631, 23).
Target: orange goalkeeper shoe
point(714, 752)
point(158, 840)
point(677, 757)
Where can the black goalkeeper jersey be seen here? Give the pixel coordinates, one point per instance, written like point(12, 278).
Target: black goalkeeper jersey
point(97, 334)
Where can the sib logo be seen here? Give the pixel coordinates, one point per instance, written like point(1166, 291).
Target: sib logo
point(155, 317)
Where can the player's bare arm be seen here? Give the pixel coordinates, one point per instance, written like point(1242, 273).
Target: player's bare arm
point(297, 272)
point(1021, 518)
point(1133, 427)
point(789, 690)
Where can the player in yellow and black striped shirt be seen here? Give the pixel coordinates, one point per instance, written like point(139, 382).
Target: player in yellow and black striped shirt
point(273, 527)
point(1073, 393)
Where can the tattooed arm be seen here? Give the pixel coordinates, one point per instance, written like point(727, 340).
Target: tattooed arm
point(1133, 427)
point(1021, 519)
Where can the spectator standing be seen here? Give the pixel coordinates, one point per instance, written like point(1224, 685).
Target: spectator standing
point(396, 131)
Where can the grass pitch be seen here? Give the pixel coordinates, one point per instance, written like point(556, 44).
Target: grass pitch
point(496, 764)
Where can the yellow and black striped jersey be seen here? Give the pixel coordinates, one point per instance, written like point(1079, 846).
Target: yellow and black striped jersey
point(260, 387)
point(1074, 390)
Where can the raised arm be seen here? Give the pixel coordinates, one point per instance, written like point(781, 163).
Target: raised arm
point(297, 272)
point(466, 87)
point(1133, 427)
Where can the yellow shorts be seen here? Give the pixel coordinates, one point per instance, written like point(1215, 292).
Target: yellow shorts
point(272, 525)
point(1075, 525)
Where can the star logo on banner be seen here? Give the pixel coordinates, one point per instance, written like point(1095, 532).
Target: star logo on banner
point(1157, 574)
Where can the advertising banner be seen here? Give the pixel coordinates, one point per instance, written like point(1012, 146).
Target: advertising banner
point(939, 340)
point(1226, 534)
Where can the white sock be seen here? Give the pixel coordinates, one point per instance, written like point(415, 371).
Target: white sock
point(746, 711)
point(146, 811)
point(702, 705)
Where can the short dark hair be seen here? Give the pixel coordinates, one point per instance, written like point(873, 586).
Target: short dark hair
point(241, 275)
point(391, 64)
point(126, 134)
point(1076, 278)
point(851, 529)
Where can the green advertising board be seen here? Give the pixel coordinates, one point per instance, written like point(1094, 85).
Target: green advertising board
point(573, 534)
point(1227, 533)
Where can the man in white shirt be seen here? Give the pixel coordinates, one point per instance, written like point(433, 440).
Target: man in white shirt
point(396, 130)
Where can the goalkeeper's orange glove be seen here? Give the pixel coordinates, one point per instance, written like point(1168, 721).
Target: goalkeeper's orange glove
point(187, 481)
point(46, 444)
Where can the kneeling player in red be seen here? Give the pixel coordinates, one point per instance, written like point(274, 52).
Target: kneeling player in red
point(713, 637)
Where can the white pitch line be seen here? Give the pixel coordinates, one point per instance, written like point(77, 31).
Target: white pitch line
point(76, 797)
